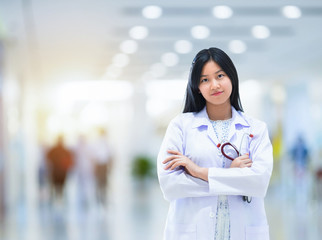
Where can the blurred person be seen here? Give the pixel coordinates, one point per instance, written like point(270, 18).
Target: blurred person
point(60, 160)
point(318, 178)
point(43, 174)
point(102, 159)
point(318, 184)
point(300, 158)
point(203, 177)
point(84, 172)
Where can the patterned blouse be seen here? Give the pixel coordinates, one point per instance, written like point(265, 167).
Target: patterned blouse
point(222, 228)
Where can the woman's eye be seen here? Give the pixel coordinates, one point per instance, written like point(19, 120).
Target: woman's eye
point(204, 80)
point(221, 76)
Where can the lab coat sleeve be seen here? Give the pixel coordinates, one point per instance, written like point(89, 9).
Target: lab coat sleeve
point(251, 181)
point(177, 183)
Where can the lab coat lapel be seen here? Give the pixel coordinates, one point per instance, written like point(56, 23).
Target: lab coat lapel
point(237, 126)
point(236, 129)
point(202, 120)
point(212, 135)
point(232, 132)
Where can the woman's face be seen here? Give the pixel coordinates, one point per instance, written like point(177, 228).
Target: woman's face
point(215, 86)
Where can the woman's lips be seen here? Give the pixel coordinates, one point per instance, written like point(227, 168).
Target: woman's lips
point(217, 93)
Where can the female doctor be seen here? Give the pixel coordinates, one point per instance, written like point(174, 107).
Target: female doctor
point(210, 195)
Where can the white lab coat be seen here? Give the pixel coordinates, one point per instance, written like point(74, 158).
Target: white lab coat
point(193, 202)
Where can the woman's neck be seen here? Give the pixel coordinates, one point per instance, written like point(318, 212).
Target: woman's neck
point(219, 112)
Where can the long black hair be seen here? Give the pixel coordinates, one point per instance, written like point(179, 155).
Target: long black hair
point(194, 101)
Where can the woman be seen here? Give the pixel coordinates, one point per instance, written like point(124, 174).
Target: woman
point(205, 188)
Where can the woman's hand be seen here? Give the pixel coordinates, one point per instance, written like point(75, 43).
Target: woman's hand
point(178, 159)
point(242, 161)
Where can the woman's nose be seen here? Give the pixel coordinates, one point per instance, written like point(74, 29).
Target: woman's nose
point(214, 84)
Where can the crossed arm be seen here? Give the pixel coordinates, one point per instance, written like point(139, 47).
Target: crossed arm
point(180, 177)
point(177, 159)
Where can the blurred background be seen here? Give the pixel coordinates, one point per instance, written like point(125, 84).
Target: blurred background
point(87, 89)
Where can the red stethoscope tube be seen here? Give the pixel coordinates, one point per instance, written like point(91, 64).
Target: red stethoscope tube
point(228, 144)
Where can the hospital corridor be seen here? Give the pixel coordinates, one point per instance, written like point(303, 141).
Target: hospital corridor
point(139, 214)
point(89, 88)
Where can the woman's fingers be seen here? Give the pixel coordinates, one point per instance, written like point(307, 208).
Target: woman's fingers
point(175, 155)
point(174, 163)
point(174, 152)
point(177, 159)
point(169, 165)
point(168, 159)
point(246, 160)
point(245, 156)
point(181, 161)
point(248, 164)
point(242, 161)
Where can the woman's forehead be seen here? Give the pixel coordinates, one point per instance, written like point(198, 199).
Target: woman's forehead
point(210, 67)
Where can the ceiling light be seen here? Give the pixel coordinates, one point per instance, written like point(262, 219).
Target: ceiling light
point(222, 12)
point(292, 12)
point(121, 60)
point(129, 46)
point(261, 32)
point(237, 46)
point(183, 46)
point(139, 32)
point(152, 12)
point(170, 59)
point(200, 32)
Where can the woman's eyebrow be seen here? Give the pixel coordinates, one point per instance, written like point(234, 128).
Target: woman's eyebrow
point(220, 70)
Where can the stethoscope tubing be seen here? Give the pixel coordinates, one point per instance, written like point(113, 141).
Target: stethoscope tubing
point(245, 198)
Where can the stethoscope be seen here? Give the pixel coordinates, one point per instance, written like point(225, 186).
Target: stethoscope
point(230, 145)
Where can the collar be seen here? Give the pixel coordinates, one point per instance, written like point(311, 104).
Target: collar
point(202, 118)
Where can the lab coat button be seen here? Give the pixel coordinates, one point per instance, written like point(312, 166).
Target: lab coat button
point(211, 215)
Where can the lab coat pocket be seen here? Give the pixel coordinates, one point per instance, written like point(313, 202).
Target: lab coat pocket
point(257, 232)
point(183, 232)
